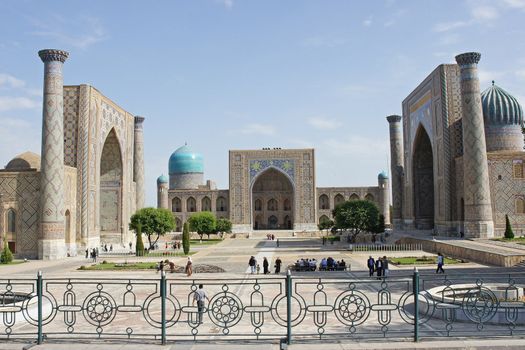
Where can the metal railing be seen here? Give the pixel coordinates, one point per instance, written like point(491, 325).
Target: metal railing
point(262, 308)
point(385, 247)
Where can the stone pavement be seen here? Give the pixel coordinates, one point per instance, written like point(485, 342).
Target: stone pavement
point(488, 344)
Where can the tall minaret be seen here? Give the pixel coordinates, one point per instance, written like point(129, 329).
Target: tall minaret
point(138, 162)
point(51, 243)
point(478, 210)
point(162, 192)
point(384, 196)
point(396, 166)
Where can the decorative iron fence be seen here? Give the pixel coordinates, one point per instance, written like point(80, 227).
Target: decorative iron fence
point(358, 247)
point(266, 308)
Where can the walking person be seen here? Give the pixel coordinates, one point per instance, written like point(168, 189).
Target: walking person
point(265, 266)
point(440, 263)
point(160, 266)
point(379, 268)
point(130, 244)
point(87, 253)
point(252, 263)
point(278, 263)
point(371, 265)
point(200, 296)
point(189, 267)
point(386, 271)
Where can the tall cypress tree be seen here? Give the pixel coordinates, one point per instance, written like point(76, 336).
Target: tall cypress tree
point(139, 246)
point(508, 228)
point(186, 238)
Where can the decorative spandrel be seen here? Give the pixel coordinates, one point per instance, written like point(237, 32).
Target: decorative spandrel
point(259, 165)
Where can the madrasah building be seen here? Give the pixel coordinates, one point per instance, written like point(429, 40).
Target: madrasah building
point(270, 189)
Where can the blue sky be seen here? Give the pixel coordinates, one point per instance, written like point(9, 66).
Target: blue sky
point(245, 74)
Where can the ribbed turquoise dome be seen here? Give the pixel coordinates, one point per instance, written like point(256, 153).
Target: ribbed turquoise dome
point(382, 175)
point(184, 161)
point(500, 108)
point(163, 179)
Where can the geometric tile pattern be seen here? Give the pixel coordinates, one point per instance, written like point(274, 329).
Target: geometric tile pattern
point(70, 126)
point(476, 178)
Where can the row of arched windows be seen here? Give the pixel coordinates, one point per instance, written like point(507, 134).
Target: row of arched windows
point(324, 201)
point(191, 204)
point(273, 205)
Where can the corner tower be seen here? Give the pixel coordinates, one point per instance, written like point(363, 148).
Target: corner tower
point(478, 209)
point(396, 166)
point(384, 196)
point(51, 244)
point(162, 192)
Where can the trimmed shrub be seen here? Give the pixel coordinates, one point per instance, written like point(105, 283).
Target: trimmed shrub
point(6, 257)
point(186, 238)
point(508, 228)
point(139, 246)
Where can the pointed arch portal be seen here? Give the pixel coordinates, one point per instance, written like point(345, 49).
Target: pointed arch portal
point(111, 186)
point(423, 182)
point(275, 192)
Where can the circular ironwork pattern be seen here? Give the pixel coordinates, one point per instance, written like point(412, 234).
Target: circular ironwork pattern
point(352, 308)
point(225, 309)
point(278, 310)
point(480, 304)
point(405, 307)
point(151, 311)
point(99, 308)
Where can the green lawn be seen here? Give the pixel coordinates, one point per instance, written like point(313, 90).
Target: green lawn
point(121, 266)
point(205, 241)
point(14, 262)
point(167, 254)
point(422, 260)
point(519, 240)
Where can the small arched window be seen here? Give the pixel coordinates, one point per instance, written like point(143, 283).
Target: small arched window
point(221, 204)
point(286, 204)
point(338, 200)
point(272, 205)
point(520, 205)
point(354, 197)
point(176, 205)
point(258, 205)
point(369, 197)
point(11, 220)
point(324, 203)
point(206, 204)
point(191, 205)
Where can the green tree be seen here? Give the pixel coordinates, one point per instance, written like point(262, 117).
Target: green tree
point(508, 228)
point(203, 223)
point(154, 222)
point(326, 224)
point(186, 238)
point(6, 257)
point(223, 225)
point(139, 245)
point(357, 216)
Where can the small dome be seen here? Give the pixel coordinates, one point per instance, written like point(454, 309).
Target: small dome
point(185, 161)
point(382, 175)
point(24, 161)
point(163, 179)
point(500, 108)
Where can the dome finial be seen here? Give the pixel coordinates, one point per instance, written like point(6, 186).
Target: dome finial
point(493, 83)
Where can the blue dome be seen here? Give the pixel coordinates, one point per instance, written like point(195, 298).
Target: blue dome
point(163, 179)
point(500, 108)
point(382, 175)
point(185, 161)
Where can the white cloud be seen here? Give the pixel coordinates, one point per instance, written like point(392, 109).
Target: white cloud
point(515, 3)
point(521, 73)
point(9, 81)
point(17, 136)
point(258, 129)
point(323, 41)
point(8, 103)
point(368, 21)
point(486, 77)
point(226, 3)
point(76, 32)
point(358, 146)
point(446, 26)
point(483, 13)
point(322, 123)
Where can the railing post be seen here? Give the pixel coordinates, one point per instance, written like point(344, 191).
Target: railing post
point(415, 287)
point(288, 307)
point(163, 306)
point(39, 293)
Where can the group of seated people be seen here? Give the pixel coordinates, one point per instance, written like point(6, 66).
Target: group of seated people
point(326, 264)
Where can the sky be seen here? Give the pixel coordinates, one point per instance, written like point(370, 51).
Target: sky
point(246, 74)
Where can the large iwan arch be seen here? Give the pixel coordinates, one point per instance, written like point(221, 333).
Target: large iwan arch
point(423, 181)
